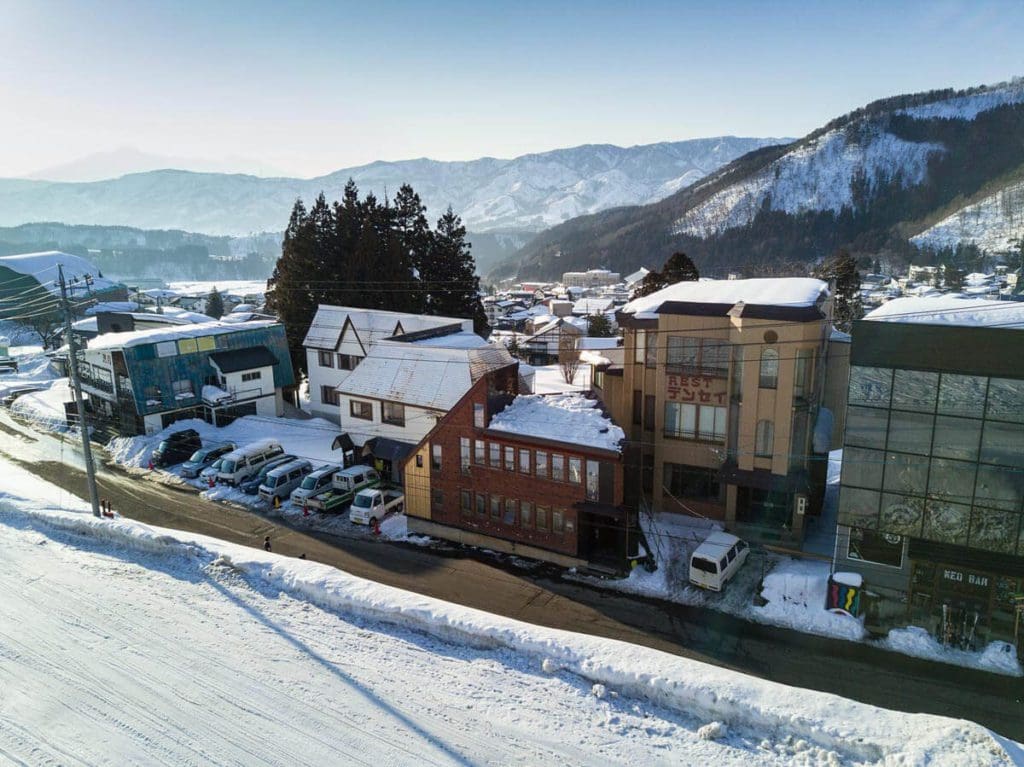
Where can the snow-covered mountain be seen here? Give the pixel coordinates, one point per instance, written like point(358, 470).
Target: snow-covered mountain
point(525, 194)
point(868, 181)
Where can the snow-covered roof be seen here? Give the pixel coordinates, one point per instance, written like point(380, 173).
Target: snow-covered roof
point(112, 306)
point(461, 340)
point(570, 418)
point(422, 376)
point(371, 325)
point(92, 323)
point(590, 342)
point(161, 293)
point(43, 267)
point(592, 306)
point(156, 335)
point(184, 314)
point(951, 310)
point(769, 291)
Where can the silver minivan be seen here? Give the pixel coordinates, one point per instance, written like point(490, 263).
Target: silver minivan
point(281, 481)
point(245, 461)
point(315, 483)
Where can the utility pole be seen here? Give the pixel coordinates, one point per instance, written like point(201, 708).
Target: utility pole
point(76, 384)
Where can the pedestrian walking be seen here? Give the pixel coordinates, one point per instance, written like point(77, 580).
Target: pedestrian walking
point(266, 543)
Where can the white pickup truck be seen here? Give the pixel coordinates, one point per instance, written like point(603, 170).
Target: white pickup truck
point(373, 504)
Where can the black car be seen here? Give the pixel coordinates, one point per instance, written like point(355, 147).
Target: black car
point(251, 486)
point(177, 447)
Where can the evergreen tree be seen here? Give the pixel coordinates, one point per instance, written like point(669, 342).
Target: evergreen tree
point(678, 268)
point(598, 326)
point(840, 270)
point(215, 304)
point(953, 278)
point(449, 275)
point(289, 294)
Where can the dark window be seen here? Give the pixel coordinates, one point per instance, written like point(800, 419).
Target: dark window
point(880, 548)
point(481, 505)
point(437, 500)
point(348, 361)
point(649, 401)
point(326, 360)
point(393, 413)
point(419, 461)
point(558, 521)
point(465, 502)
point(495, 507)
point(542, 518)
point(329, 396)
point(764, 439)
point(256, 375)
point(510, 512)
point(362, 410)
point(464, 457)
point(638, 406)
point(526, 514)
point(704, 565)
point(693, 482)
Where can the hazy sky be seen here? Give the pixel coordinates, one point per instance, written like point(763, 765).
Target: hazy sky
point(309, 88)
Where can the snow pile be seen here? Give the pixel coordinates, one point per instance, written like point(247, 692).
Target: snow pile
point(806, 722)
point(570, 418)
point(46, 406)
point(766, 291)
point(999, 657)
point(951, 310)
point(795, 592)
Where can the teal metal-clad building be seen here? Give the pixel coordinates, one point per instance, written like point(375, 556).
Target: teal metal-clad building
point(144, 380)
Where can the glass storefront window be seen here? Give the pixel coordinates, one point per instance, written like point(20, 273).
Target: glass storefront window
point(946, 522)
point(910, 432)
point(863, 468)
point(870, 386)
point(993, 530)
point(1003, 443)
point(858, 508)
point(957, 438)
point(906, 473)
point(901, 515)
point(962, 395)
point(999, 488)
point(1005, 400)
point(865, 427)
point(915, 390)
point(951, 480)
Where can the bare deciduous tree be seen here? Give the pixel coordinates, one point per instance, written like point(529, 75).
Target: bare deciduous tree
point(568, 357)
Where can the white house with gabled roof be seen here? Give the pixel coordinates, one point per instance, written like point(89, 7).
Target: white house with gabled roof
point(340, 337)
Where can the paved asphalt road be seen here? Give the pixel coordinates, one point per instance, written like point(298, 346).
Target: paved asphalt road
point(540, 596)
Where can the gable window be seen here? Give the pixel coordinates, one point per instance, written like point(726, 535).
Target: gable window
point(478, 415)
point(255, 375)
point(393, 413)
point(769, 378)
point(464, 451)
point(348, 361)
point(764, 439)
point(435, 457)
point(326, 359)
point(357, 409)
point(329, 396)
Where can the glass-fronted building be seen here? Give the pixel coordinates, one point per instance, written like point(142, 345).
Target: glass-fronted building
point(932, 484)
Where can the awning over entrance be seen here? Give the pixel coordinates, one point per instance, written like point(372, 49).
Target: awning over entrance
point(343, 442)
point(601, 510)
point(762, 479)
point(387, 449)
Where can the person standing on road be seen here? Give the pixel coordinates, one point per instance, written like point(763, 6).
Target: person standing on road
point(266, 543)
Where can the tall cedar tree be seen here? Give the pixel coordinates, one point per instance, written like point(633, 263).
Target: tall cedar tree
point(365, 253)
point(840, 269)
point(215, 304)
point(678, 268)
point(450, 275)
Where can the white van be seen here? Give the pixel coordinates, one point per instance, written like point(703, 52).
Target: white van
point(245, 461)
point(314, 483)
point(355, 478)
point(281, 480)
point(716, 560)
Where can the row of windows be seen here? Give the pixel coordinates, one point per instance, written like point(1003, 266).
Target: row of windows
point(515, 513)
point(692, 482)
point(344, 361)
point(688, 421)
point(181, 389)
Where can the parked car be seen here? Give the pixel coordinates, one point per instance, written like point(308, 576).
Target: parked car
point(716, 560)
point(282, 480)
point(344, 486)
point(372, 504)
point(251, 486)
point(242, 463)
point(209, 474)
point(314, 484)
point(176, 447)
point(203, 457)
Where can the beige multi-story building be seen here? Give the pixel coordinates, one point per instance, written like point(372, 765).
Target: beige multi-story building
point(720, 392)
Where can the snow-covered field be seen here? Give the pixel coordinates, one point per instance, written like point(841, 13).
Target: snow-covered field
point(127, 644)
point(241, 287)
point(549, 380)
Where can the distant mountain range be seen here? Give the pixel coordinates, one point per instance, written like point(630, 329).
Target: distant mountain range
point(509, 198)
point(928, 170)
